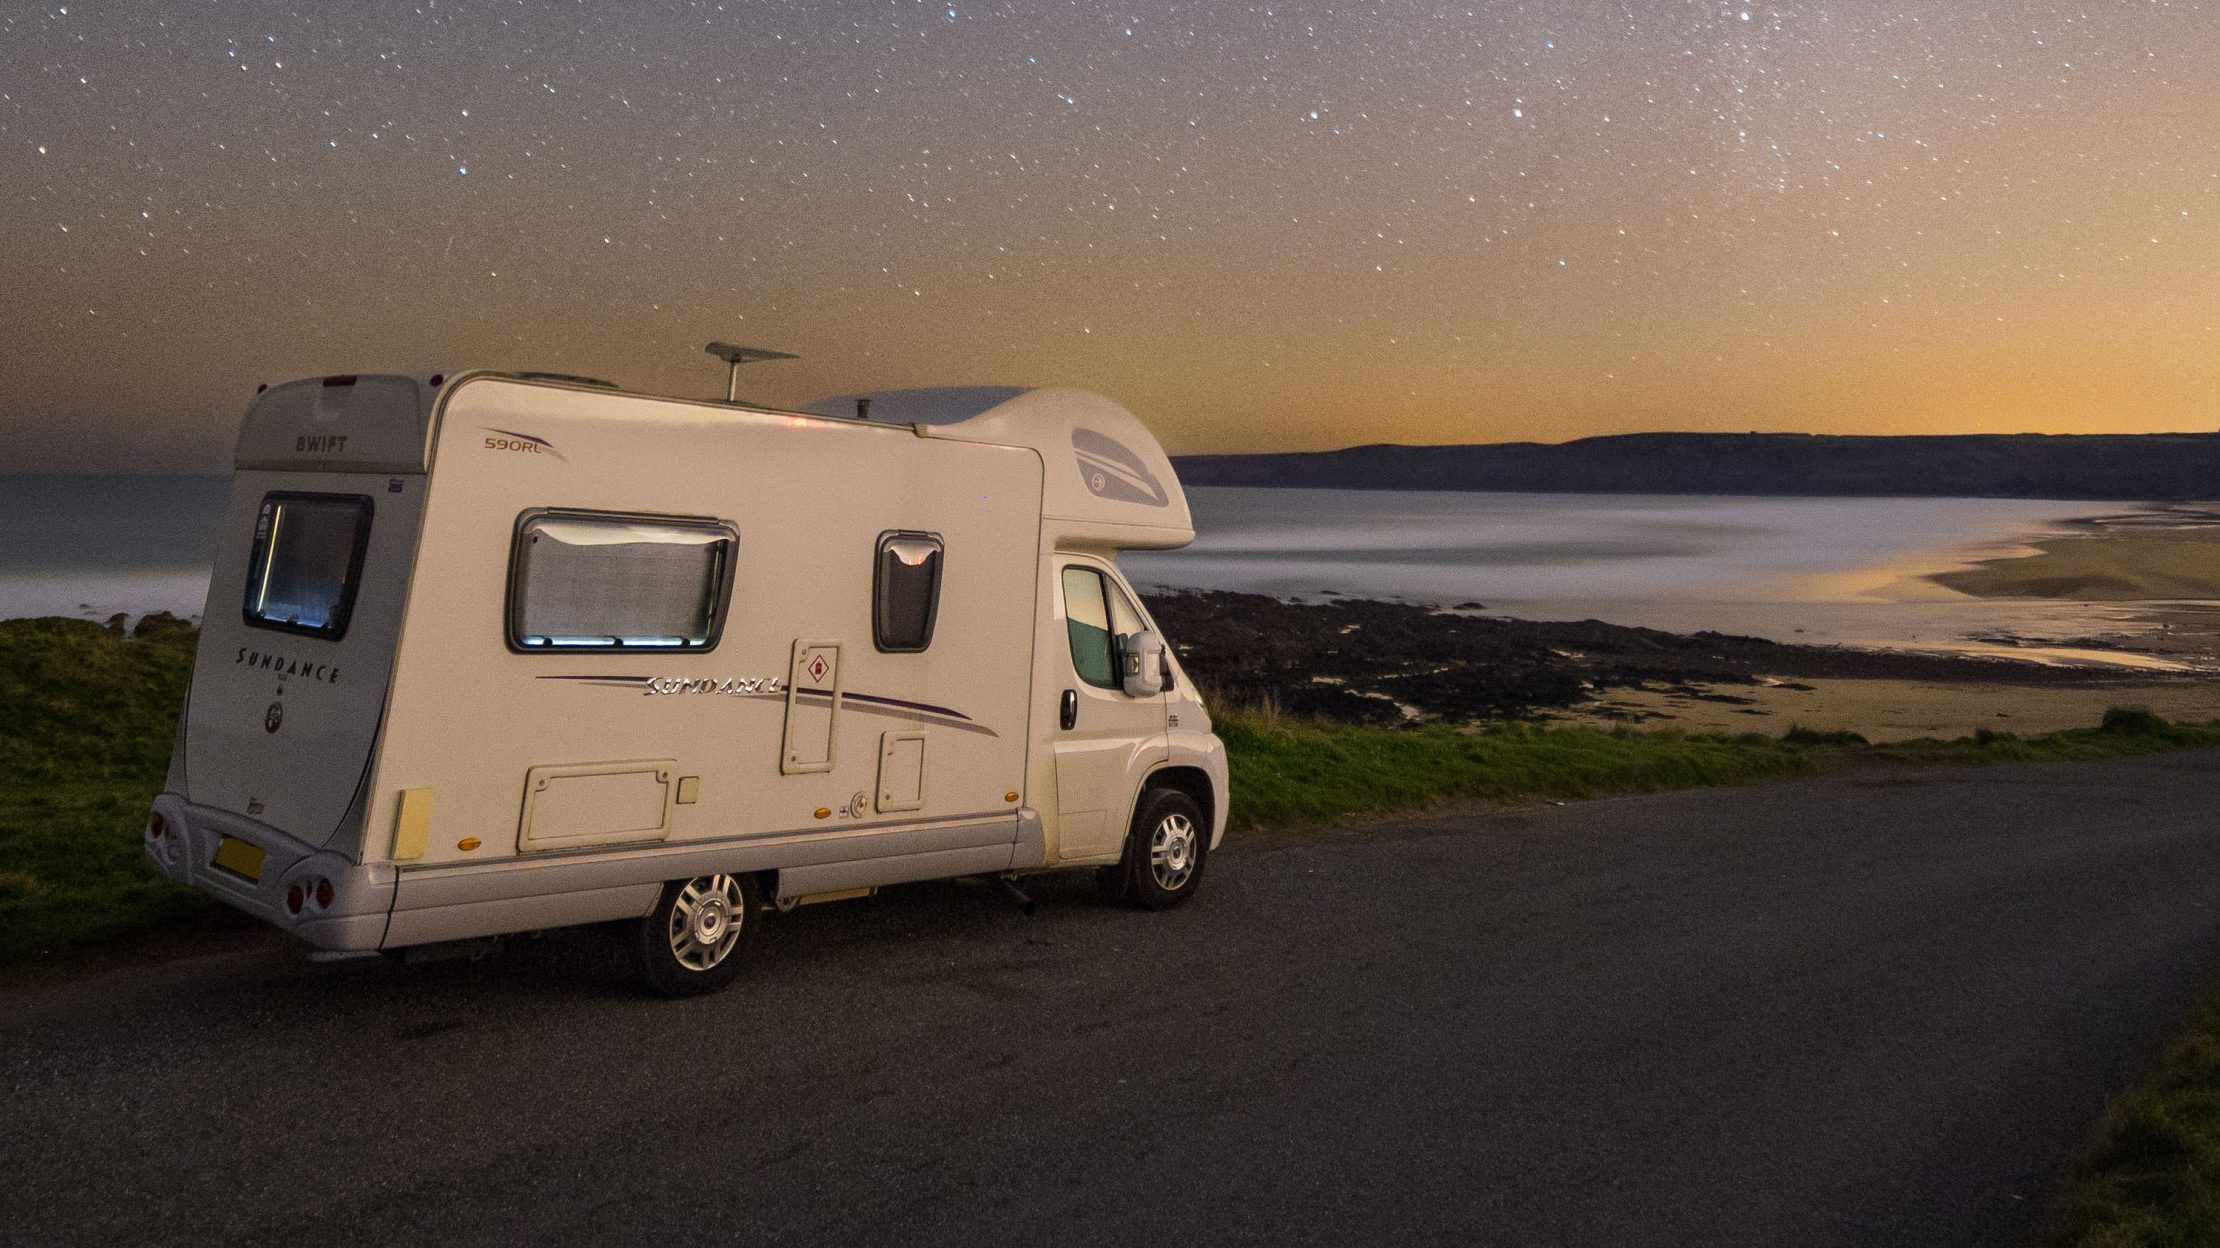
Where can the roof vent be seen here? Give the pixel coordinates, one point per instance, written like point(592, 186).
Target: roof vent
point(734, 357)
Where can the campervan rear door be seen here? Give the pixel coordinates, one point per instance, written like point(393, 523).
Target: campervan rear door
point(304, 607)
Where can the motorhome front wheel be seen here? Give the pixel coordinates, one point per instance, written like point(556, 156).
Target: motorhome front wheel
point(1164, 852)
point(691, 942)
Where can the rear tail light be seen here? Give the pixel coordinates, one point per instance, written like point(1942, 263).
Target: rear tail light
point(310, 892)
point(157, 828)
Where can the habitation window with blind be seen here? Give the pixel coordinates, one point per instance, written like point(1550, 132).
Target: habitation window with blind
point(584, 580)
point(905, 591)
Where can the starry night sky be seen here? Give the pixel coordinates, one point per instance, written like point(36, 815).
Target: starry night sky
point(1261, 226)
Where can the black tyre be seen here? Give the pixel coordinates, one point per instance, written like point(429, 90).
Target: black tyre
point(1165, 851)
point(691, 942)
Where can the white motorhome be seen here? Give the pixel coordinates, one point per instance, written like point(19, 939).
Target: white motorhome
point(489, 653)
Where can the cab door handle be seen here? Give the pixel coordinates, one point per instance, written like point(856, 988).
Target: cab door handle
point(1068, 714)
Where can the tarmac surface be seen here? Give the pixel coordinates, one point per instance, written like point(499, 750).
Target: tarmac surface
point(1878, 1009)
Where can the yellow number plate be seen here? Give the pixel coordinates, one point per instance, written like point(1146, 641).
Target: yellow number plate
point(240, 858)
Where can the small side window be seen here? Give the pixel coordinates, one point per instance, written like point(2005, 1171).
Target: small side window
point(307, 560)
point(582, 580)
point(905, 591)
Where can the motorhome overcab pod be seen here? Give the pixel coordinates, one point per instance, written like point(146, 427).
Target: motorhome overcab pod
point(490, 653)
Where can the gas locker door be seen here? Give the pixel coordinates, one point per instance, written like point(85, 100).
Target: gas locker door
point(813, 690)
point(1105, 737)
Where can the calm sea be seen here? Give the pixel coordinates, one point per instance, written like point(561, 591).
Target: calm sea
point(1833, 570)
point(1809, 569)
point(94, 546)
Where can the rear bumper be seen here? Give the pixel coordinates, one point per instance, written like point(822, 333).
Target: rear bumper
point(362, 897)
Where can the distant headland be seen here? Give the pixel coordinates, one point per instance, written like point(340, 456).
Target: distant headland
point(2154, 466)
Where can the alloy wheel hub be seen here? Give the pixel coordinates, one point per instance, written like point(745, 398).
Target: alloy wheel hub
point(709, 921)
point(1172, 852)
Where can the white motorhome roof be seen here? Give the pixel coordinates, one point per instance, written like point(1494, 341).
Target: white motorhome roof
point(1107, 482)
point(936, 405)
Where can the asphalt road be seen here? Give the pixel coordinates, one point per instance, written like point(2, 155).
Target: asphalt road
point(1879, 1010)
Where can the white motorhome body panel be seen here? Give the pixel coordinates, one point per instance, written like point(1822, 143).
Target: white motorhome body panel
point(282, 723)
point(471, 717)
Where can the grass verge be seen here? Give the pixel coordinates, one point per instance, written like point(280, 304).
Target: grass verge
point(86, 720)
point(1291, 772)
point(2152, 1179)
point(87, 716)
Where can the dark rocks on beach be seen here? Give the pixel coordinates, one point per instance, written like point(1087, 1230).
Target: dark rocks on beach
point(1360, 660)
point(158, 623)
point(152, 624)
point(1364, 661)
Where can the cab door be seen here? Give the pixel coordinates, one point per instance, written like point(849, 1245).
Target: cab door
point(1105, 738)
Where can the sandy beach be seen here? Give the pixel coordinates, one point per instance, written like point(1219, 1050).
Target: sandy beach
point(2164, 554)
point(1881, 709)
point(2167, 558)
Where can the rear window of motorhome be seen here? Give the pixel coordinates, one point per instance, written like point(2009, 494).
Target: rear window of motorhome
point(1098, 618)
point(595, 581)
point(307, 559)
point(905, 593)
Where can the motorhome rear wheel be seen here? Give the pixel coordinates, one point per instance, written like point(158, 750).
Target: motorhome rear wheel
point(692, 941)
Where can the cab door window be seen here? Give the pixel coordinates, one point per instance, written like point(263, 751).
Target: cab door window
point(1098, 618)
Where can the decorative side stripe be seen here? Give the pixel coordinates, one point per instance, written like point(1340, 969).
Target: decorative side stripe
point(926, 707)
point(862, 703)
point(894, 710)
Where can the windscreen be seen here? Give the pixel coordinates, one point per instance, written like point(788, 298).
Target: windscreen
point(307, 559)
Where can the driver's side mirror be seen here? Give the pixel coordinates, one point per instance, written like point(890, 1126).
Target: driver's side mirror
point(1143, 655)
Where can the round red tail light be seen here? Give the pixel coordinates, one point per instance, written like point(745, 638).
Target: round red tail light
point(157, 827)
point(323, 893)
point(295, 897)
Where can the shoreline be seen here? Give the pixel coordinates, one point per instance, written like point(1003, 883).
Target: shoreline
point(2157, 648)
point(1364, 661)
point(1884, 710)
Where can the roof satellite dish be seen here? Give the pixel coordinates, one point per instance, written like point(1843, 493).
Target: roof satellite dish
point(735, 357)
